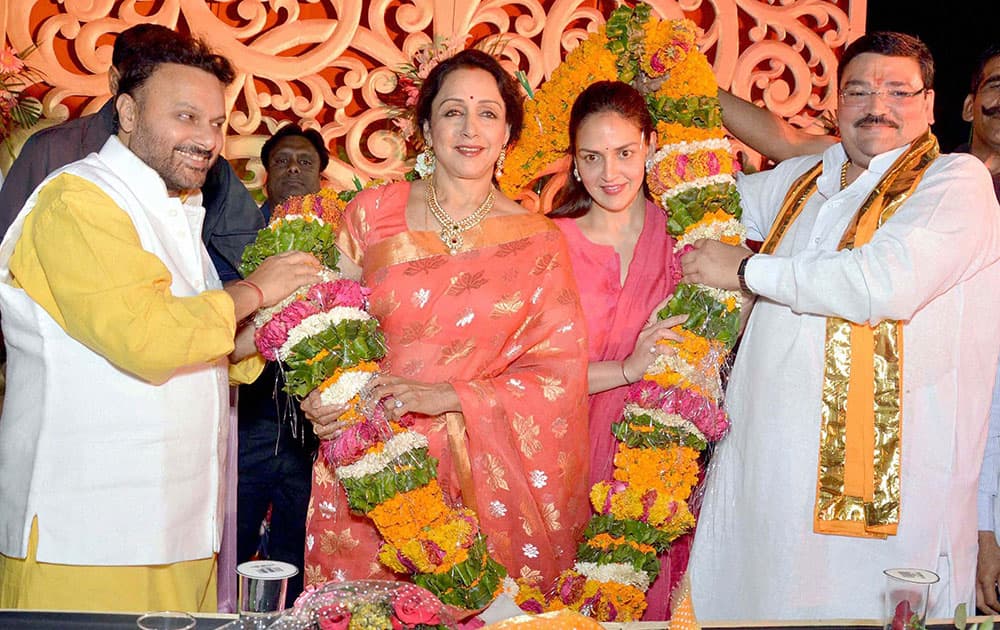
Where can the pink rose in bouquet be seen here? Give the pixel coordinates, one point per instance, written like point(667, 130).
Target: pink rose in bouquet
point(413, 607)
point(334, 617)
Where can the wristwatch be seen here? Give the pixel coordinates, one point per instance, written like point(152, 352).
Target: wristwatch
point(741, 275)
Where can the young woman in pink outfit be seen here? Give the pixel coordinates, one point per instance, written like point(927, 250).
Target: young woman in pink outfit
point(624, 264)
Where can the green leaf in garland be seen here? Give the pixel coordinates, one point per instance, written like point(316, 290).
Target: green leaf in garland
point(636, 531)
point(307, 236)
point(411, 470)
point(707, 317)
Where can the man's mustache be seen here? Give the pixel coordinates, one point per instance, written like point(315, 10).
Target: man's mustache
point(872, 119)
point(991, 111)
point(195, 150)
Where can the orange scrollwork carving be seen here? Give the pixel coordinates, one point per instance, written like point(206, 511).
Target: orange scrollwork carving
point(328, 63)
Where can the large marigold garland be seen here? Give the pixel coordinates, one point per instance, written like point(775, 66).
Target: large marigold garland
point(671, 416)
point(546, 116)
point(327, 340)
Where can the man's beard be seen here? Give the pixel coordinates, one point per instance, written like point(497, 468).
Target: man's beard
point(154, 151)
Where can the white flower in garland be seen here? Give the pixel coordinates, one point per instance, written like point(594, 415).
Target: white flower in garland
point(715, 231)
point(701, 182)
point(346, 387)
point(618, 572)
point(661, 417)
point(315, 324)
point(712, 386)
point(264, 315)
point(687, 148)
point(398, 445)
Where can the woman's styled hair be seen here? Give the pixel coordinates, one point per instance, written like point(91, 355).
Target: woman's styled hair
point(616, 97)
point(472, 58)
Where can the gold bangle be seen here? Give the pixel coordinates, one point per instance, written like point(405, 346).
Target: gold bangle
point(624, 375)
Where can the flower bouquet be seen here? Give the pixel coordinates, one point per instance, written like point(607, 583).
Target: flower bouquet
point(322, 333)
point(672, 416)
point(327, 341)
point(366, 605)
point(16, 108)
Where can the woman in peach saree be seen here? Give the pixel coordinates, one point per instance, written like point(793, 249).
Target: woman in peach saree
point(485, 336)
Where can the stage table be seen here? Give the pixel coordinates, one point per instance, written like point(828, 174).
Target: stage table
point(51, 620)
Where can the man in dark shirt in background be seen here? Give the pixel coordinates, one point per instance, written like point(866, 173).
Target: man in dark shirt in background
point(276, 445)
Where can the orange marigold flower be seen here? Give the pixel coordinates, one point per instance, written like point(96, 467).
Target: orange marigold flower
point(605, 541)
point(705, 354)
point(670, 379)
point(672, 133)
point(693, 76)
point(545, 138)
point(403, 516)
point(671, 470)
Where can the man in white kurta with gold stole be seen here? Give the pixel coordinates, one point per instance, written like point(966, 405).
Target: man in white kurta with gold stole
point(860, 393)
point(119, 336)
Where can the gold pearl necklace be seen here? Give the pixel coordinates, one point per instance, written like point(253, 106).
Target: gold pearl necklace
point(451, 230)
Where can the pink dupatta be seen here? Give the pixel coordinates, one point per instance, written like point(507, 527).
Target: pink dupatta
point(615, 314)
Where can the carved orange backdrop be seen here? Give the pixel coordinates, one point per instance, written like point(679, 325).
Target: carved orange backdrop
point(325, 63)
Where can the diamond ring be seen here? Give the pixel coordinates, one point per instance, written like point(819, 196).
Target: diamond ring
point(652, 349)
point(398, 403)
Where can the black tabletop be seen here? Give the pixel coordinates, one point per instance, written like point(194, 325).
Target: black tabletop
point(36, 620)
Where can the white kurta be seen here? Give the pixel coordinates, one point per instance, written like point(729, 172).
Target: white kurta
point(933, 266)
point(119, 471)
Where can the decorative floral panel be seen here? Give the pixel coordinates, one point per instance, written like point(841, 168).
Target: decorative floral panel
point(328, 63)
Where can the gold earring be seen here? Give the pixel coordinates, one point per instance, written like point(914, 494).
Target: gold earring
point(500, 160)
